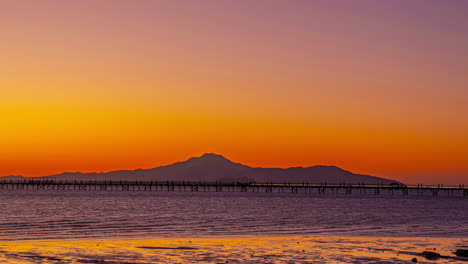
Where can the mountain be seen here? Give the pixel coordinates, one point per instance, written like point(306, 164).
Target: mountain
point(12, 178)
point(212, 167)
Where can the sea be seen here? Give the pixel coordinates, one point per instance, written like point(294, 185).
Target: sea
point(61, 216)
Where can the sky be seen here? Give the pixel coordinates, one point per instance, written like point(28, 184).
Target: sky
point(374, 87)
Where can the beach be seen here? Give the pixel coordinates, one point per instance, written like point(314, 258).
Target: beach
point(291, 249)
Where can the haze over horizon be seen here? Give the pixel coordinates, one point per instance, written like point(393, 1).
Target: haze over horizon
point(376, 88)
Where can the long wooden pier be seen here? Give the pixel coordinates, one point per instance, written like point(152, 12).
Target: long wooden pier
point(190, 186)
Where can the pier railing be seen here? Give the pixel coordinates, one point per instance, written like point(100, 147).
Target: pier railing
point(268, 187)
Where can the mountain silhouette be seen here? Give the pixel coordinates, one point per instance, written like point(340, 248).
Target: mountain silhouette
point(212, 167)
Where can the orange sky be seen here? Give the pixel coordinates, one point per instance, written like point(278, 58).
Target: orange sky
point(101, 85)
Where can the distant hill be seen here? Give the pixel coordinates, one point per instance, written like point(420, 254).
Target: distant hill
point(12, 177)
point(213, 167)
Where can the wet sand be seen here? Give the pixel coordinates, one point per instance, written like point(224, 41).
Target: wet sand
point(233, 250)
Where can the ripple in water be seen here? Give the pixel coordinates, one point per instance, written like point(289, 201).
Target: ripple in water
point(101, 214)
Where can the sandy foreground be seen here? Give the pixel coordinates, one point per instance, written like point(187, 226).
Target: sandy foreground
point(233, 250)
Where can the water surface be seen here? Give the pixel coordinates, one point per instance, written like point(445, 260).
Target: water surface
point(58, 214)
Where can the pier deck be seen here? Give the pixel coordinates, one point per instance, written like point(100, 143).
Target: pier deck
point(190, 186)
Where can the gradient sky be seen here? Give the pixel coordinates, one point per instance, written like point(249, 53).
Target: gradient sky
point(375, 87)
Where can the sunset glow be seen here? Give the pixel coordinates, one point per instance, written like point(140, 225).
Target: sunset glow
point(378, 88)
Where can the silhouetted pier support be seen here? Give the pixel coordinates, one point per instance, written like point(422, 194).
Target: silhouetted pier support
point(269, 187)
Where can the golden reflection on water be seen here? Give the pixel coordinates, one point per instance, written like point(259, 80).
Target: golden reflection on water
point(231, 250)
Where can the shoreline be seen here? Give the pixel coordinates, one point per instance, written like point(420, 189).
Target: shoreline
point(272, 249)
point(267, 236)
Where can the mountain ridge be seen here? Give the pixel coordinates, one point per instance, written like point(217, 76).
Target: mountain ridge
point(215, 167)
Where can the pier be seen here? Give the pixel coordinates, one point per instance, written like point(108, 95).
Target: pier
point(190, 186)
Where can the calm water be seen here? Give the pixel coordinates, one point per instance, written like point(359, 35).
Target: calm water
point(106, 214)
